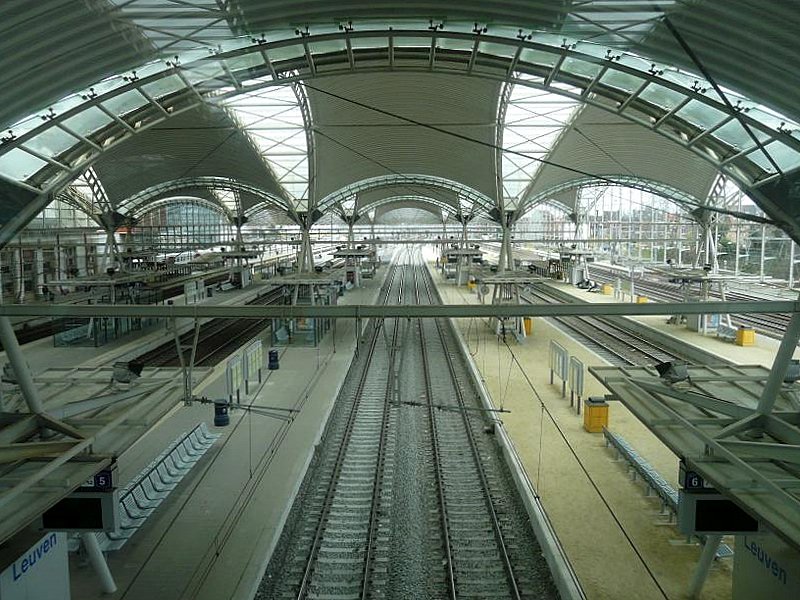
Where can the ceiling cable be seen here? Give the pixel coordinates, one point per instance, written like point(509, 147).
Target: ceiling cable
point(466, 138)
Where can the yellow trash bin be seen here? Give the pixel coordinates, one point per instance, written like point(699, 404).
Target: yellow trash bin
point(595, 415)
point(641, 300)
point(745, 336)
point(528, 324)
point(607, 289)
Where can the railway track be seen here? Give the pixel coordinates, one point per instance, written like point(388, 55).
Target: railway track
point(408, 496)
point(608, 339)
point(773, 325)
point(217, 339)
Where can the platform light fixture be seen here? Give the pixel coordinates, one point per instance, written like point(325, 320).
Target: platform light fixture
point(127, 372)
point(673, 372)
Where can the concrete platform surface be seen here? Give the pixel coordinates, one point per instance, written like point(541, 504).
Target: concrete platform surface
point(619, 544)
point(211, 537)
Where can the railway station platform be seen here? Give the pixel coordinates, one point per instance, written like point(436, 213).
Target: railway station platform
point(619, 544)
point(210, 537)
point(762, 353)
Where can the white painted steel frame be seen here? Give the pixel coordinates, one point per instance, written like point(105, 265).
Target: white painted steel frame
point(538, 62)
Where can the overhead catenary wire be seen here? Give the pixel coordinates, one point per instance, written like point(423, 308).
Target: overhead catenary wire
point(605, 179)
point(545, 410)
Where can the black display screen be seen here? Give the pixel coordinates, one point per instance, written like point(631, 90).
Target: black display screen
point(75, 513)
point(721, 515)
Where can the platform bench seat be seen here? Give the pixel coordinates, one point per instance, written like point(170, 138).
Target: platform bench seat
point(668, 495)
point(73, 335)
point(142, 496)
point(726, 332)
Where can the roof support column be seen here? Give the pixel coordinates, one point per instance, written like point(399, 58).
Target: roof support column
point(18, 275)
point(305, 257)
point(506, 261)
point(305, 253)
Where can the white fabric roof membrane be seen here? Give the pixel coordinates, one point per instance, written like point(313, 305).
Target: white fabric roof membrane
point(604, 144)
point(354, 143)
point(201, 142)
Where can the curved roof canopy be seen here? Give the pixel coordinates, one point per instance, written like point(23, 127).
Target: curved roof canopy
point(604, 144)
point(166, 58)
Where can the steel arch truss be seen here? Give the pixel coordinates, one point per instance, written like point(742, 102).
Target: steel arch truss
point(470, 201)
point(687, 201)
point(45, 151)
point(136, 204)
point(144, 209)
point(435, 207)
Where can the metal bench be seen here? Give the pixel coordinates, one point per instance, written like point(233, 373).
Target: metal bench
point(638, 466)
point(142, 496)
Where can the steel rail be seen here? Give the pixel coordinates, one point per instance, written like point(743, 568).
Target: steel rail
point(341, 454)
point(165, 354)
point(377, 482)
point(767, 323)
point(595, 323)
point(498, 533)
point(437, 466)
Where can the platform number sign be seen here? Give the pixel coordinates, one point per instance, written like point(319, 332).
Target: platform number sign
point(101, 482)
point(691, 479)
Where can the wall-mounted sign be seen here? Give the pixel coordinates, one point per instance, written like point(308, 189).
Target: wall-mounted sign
point(40, 572)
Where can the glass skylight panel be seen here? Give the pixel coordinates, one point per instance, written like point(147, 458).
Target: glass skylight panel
point(251, 60)
point(87, 122)
point(51, 142)
point(661, 96)
point(18, 164)
point(327, 46)
point(124, 103)
point(538, 57)
point(200, 74)
point(702, 115)
point(412, 42)
point(786, 157)
point(368, 42)
point(461, 44)
point(507, 50)
point(622, 81)
point(164, 87)
point(735, 135)
point(759, 158)
point(286, 53)
point(580, 67)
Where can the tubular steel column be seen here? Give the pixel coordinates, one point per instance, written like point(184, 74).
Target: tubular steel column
point(20, 365)
point(780, 365)
point(18, 275)
point(98, 561)
point(704, 565)
point(38, 271)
